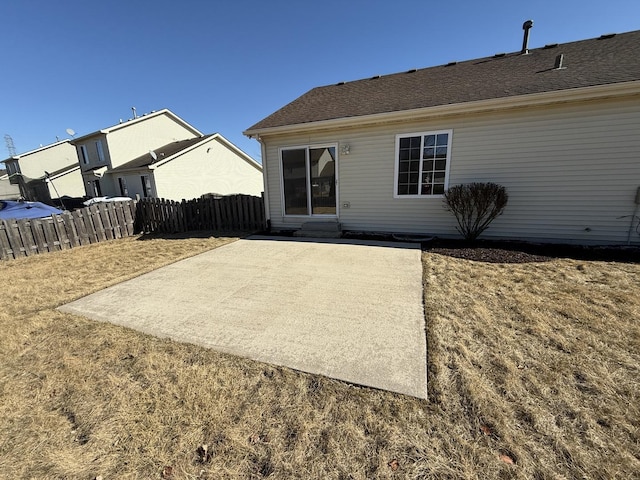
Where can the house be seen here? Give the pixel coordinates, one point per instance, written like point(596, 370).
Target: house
point(161, 155)
point(48, 172)
point(189, 168)
point(8, 191)
point(558, 126)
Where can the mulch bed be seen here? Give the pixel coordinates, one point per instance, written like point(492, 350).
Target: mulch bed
point(524, 252)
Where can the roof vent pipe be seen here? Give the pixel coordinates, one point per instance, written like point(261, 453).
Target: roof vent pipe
point(133, 109)
point(526, 26)
point(559, 62)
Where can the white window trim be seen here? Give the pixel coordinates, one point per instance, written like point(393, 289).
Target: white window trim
point(397, 162)
point(281, 174)
point(100, 150)
point(84, 154)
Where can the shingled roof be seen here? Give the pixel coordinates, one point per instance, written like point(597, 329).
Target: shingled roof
point(605, 60)
point(162, 153)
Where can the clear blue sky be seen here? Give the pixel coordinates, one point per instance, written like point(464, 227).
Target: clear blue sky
point(223, 65)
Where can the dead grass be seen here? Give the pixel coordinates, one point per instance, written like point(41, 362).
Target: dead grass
point(535, 363)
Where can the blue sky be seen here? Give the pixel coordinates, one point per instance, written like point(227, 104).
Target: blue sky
point(223, 65)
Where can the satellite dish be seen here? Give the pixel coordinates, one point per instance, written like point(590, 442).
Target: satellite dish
point(71, 132)
point(153, 155)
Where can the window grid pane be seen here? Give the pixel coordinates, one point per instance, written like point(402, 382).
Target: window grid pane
point(422, 163)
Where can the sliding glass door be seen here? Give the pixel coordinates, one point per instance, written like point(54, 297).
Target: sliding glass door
point(309, 180)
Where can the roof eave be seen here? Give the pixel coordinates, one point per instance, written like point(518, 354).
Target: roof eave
point(534, 99)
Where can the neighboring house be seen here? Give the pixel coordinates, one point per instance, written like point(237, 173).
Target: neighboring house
point(189, 168)
point(48, 172)
point(8, 191)
point(558, 126)
point(119, 160)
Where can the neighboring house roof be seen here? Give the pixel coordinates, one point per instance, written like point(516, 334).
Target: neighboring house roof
point(609, 59)
point(141, 118)
point(63, 171)
point(172, 150)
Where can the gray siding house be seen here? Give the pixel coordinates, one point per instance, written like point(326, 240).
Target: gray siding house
point(558, 126)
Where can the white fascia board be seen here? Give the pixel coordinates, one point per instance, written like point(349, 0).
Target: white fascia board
point(238, 151)
point(534, 99)
point(147, 116)
point(39, 149)
point(65, 172)
point(215, 136)
point(139, 119)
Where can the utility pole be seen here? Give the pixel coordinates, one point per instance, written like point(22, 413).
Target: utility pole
point(10, 146)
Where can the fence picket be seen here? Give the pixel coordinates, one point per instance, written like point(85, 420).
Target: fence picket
point(102, 222)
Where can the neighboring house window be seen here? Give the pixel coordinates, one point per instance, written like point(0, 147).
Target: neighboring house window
point(123, 186)
point(422, 163)
point(146, 185)
point(84, 154)
point(12, 167)
point(100, 151)
point(95, 187)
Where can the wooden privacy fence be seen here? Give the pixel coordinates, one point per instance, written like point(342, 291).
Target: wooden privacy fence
point(97, 223)
point(111, 220)
point(229, 213)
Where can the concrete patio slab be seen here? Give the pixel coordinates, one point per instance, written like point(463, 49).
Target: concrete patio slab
point(347, 309)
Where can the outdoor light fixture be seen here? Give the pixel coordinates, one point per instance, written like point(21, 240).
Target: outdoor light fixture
point(345, 149)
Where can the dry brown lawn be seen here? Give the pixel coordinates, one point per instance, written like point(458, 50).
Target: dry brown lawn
point(533, 373)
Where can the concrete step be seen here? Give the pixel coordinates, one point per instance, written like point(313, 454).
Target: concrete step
point(320, 229)
point(322, 226)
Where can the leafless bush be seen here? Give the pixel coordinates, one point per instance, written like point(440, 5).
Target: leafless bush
point(475, 206)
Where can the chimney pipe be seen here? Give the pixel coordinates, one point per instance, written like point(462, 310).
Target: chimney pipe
point(526, 26)
point(133, 109)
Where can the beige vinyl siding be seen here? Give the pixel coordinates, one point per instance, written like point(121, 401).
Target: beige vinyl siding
point(50, 159)
point(125, 144)
point(69, 184)
point(8, 191)
point(570, 171)
point(210, 168)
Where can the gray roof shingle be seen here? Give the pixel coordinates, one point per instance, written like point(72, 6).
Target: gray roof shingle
point(162, 153)
point(599, 61)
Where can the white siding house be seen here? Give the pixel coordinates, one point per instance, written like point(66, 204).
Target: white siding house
point(563, 141)
point(161, 155)
point(189, 168)
point(47, 172)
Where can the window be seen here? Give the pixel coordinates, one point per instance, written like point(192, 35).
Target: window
point(12, 167)
point(95, 188)
point(84, 154)
point(422, 163)
point(146, 185)
point(122, 182)
point(100, 151)
point(309, 180)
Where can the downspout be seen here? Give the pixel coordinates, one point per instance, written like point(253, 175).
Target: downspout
point(263, 155)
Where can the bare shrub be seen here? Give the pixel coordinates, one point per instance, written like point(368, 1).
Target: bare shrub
point(475, 206)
